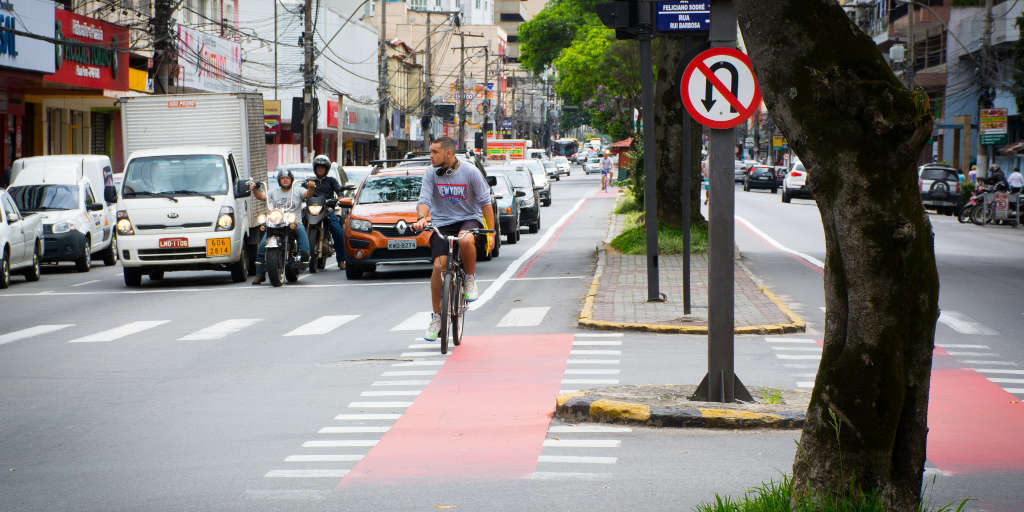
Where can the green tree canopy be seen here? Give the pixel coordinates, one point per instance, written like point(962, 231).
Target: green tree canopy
point(553, 29)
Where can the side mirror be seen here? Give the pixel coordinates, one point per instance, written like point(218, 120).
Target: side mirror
point(520, 193)
point(492, 181)
point(499, 196)
point(242, 189)
point(345, 202)
point(95, 207)
point(110, 194)
point(12, 218)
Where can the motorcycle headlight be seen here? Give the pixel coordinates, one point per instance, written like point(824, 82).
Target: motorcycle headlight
point(315, 209)
point(289, 218)
point(261, 219)
point(63, 227)
point(275, 216)
point(361, 225)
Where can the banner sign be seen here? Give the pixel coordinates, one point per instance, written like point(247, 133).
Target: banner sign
point(993, 126)
point(96, 67)
point(332, 114)
point(206, 62)
point(271, 117)
point(26, 53)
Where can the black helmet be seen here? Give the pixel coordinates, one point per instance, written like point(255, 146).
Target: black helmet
point(321, 160)
point(285, 173)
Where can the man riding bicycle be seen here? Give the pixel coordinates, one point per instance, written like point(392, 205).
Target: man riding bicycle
point(455, 198)
point(328, 188)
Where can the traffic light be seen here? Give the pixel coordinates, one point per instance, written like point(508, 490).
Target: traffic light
point(623, 16)
point(478, 139)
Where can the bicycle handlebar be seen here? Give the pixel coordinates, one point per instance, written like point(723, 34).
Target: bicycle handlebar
point(468, 231)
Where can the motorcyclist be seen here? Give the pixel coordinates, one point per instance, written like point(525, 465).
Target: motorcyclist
point(328, 188)
point(286, 199)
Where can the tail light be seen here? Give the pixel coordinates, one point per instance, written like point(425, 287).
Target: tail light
point(796, 174)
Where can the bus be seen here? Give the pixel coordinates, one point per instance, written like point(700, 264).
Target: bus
point(565, 147)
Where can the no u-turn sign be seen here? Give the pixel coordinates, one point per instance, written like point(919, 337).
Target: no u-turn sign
point(719, 88)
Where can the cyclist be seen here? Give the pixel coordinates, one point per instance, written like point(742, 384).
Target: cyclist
point(455, 198)
point(606, 171)
point(328, 188)
point(286, 199)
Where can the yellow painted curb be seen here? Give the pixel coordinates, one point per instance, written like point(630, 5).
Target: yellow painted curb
point(565, 397)
point(737, 415)
point(620, 410)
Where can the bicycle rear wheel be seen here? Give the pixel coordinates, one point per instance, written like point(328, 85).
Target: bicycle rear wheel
point(446, 299)
point(458, 317)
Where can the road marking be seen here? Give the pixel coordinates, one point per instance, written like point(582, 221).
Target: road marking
point(85, 283)
point(798, 356)
point(593, 361)
point(590, 381)
point(797, 349)
point(420, 363)
point(416, 322)
point(814, 366)
point(587, 429)
point(306, 473)
point(593, 372)
point(409, 373)
point(582, 443)
point(972, 354)
point(390, 393)
point(401, 383)
point(774, 243)
point(32, 331)
point(999, 370)
point(598, 335)
point(379, 405)
point(597, 343)
point(432, 345)
point(1014, 391)
point(340, 443)
point(982, 361)
point(421, 354)
point(366, 417)
point(551, 475)
point(352, 430)
point(570, 459)
point(1001, 380)
point(322, 325)
point(524, 317)
point(119, 332)
point(944, 345)
point(964, 324)
point(323, 458)
point(220, 329)
point(805, 375)
point(513, 268)
point(805, 384)
point(596, 352)
point(790, 340)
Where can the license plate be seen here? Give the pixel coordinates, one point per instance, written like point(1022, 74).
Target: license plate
point(272, 242)
point(401, 245)
point(173, 243)
point(218, 247)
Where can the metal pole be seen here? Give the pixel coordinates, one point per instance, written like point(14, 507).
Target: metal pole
point(687, 170)
point(382, 75)
point(275, 50)
point(911, 41)
point(428, 105)
point(461, 90)
point(307, 90)
point(487, 100)
point(650, 173)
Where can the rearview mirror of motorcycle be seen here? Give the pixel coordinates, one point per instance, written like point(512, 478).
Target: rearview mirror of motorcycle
point(492, 181)
point(345, 202)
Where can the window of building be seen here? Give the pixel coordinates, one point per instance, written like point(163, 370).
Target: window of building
point(79, 133)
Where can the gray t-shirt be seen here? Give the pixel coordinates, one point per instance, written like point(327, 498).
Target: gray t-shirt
point(286, 200)
point(457, 197)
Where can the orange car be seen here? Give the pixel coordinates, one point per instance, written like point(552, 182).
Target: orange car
point(378, 230)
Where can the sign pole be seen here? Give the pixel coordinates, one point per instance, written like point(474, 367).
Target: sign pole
point(687, 159)
point(650, 173)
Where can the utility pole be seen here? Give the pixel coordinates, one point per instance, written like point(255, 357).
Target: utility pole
point(499, 109)
point(275, 49)
point(986, 96)
point(487, 99)
point(307, 90)
point(428, 104)
point(461, 89)
point(163, 44)
point(911, 41)
point(533, 94)
point(382, 76)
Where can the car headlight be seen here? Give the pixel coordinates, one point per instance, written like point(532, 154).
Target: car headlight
point(275, 216)
point(315, 209)
point(124, 224)
point(360, 225)
point(63, 227)
point(226, 219)
point(289, 218)
point(261, 219)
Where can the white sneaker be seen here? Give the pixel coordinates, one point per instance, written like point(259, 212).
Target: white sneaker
point(471, 292)
point(433, 328)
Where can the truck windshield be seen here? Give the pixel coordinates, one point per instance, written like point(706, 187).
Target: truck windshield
point(170, 175)
point(36, 198)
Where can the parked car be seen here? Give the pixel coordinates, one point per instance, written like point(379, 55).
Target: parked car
point(794, 185)
point(76, 200)
point(21, 241)
point(940, 188)
point(529, 203)
point(593, 165)
point(761, 176)
point(540, 180)
point(563, 164)
point(508, 207)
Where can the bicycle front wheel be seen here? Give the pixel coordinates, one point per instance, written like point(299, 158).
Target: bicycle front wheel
point(458, 315)
point(446, 300)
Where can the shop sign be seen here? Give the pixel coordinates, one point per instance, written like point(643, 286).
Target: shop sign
point(26, 53)
point(332, 114)
point(138, 80)
point(96, 65)
point(993, 126)
point(272, 117)
point(208, 63)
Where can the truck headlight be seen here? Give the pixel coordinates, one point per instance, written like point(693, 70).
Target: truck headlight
point(63, 227)
point(124, 224)
point(226, 219)
point(360, 225)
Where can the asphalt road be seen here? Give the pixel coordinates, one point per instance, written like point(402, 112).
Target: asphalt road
point(193, 393)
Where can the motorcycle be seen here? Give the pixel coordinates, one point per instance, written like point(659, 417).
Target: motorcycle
point(314, 216)
point(977, 198)
point(282, 253)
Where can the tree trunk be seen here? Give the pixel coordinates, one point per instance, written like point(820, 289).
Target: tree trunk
point(858, 131)
point(670, 55)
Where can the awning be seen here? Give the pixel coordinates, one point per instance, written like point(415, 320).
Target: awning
point(1016, 147)
point(623, 144)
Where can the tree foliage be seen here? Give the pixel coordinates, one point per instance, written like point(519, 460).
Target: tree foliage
point(553, 29)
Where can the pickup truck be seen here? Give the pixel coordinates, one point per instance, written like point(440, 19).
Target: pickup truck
point(21, 245)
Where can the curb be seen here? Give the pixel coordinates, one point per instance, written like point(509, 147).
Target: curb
point(585, 406)
point(586, 316)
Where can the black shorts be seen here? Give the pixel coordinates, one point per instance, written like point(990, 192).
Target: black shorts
point(439, 246)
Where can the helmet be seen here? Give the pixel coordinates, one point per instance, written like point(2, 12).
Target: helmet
point(321, 160)
point(285, 173)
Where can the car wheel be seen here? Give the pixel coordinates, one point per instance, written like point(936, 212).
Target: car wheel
point(84, 262)
point(353, 271)
point(5, 270)
point(132, 278)
point(785, 196)
point(535, 227)
point(240, 270)
point(156, 276)
point(775, 191)
point(32, 274)
point(510, 238)
point(109, 254)
point(746, 186)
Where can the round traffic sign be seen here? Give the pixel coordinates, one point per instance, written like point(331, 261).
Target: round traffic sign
point(719, 89)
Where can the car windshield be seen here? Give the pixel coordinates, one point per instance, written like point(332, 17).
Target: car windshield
point(184, 174)
point(550, 165)
point(560, 159)
point(595, 160)
point(34, 198)
point(391, 189)
point(419, 162)
point(762, 170)
point(937, 174)
point(501, 188)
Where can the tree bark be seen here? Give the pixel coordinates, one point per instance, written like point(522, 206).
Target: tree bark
point(670, 55)
point(858, 131)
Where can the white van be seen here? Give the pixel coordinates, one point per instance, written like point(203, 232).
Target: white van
point(75, 196)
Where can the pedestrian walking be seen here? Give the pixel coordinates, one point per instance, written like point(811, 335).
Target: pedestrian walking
point(1015, 181)
point(972, 175)
point(606, 171)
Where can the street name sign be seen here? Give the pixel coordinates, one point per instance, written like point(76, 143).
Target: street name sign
point(719, 89)
point(686, 15)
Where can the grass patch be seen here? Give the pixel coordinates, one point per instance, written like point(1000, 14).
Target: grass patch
point(628, 204)
point(771, 396)
point(775, 497)
point(633, 239)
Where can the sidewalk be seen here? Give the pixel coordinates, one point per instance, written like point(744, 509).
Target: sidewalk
point(618, 296)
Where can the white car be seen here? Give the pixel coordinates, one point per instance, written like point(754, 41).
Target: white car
point(795, 183)
point(21, 241)
point(563, 165)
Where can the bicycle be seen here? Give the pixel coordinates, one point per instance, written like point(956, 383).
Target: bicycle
point(453, 293)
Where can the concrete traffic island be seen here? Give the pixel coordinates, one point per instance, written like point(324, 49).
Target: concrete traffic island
point(670, 406)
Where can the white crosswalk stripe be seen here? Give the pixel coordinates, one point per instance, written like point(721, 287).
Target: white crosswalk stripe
point(389, 393)
point(322, 325)
point(367, 417)
point(599, 371)
point(964, 324)
point(590, 381)
point(594, 361)
point(553, 475)
point(582, 443)
point(572, 459)
point(587, 429)
point(379, 405)
point(791, 340)
point(409, 373)
point(31, 332)
point(598, 335)
point(798, 356)
point(1001, 380)
point(306, 473)
point(524, 317)
point(220, 329)
point(796, 349)
point(401, 383)
point(324, 458)
point(416, 322)
point(120, 332)
point(340, 443)
point(999, 370)
point(353, 430)
point(595, 352)
point(596, 343)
